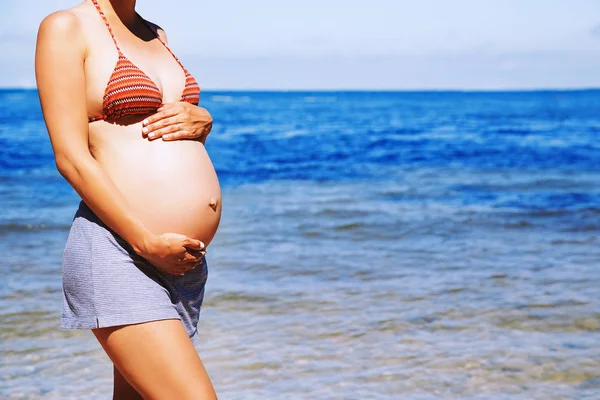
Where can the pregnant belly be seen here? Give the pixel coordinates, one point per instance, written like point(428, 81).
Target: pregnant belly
point(172, 186)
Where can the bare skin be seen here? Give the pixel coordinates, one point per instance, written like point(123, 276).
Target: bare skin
point(155, 360)
point(159, 194)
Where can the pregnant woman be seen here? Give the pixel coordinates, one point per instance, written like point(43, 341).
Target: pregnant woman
point(127, 134)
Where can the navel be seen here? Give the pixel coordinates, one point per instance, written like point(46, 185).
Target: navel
point(213, 203)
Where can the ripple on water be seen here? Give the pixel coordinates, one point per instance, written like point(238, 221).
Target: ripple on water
point(384, 246)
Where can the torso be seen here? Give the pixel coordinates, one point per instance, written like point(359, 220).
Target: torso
point(172, 186)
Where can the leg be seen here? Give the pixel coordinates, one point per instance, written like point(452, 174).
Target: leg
point(158, 359)
point(122, 389)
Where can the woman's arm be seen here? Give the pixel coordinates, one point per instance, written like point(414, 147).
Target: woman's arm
point(59, 68)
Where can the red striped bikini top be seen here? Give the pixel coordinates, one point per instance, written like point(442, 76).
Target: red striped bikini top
point(130, 91)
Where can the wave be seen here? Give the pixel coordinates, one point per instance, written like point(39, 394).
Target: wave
point(32, 227)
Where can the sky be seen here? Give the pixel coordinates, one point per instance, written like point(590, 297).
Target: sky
point(349, 44)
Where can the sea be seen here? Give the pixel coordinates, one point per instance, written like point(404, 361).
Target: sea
point(373, 245)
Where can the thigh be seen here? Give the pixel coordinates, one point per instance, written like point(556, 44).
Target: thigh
point(122, 389)
point(158, 359)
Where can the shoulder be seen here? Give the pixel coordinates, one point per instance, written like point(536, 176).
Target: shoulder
point(160, 31)
point(162, 35)
point(66, 28)
point(63, 26)
point(60, 23)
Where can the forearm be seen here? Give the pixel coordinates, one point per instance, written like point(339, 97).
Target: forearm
point(103, 197)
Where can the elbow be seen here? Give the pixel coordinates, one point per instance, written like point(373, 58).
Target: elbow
point(68, 167)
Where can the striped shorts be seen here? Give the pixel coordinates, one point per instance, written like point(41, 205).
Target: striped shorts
point(105, 283)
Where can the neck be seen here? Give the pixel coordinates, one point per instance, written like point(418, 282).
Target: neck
point(124, 9)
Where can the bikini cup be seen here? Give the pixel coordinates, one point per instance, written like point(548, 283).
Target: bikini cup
point(130, 91)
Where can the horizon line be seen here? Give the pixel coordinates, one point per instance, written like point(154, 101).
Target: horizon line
point(357, 90)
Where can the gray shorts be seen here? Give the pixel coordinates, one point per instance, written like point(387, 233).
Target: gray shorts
point(105, 283)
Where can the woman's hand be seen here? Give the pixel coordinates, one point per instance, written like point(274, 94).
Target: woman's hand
point(173, 253)
point(176, 121)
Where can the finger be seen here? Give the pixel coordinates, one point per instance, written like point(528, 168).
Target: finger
point(193, 264)
point(161, 123)
point(162, 112)
point(182, 134)
point(196, 253)
point(191, 260)
point(195, 259)
point(198, 263)
point(188, 258)
point(197, 256)
point(158, 133)
point(190, 266)
point(195, 244)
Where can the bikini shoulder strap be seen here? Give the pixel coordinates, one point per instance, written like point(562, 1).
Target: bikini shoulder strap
point(107, 25)
point(154, 29)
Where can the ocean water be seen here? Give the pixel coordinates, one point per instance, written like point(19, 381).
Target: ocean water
point(438, 245)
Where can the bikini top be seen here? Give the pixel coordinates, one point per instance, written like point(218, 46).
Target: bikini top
point(130, 91)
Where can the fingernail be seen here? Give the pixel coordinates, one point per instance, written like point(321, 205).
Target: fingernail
point(166, 136)
point(151, 135)
point(145, 122)
point(145, 130)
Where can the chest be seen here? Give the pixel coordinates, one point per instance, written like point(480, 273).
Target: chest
point(147, 64)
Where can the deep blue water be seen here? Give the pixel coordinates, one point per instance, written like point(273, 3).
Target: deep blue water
point(391, 244)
